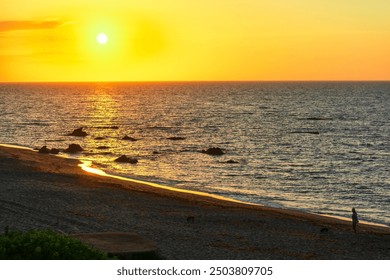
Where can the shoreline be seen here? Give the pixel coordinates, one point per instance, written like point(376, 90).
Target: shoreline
point(86, 202)
point(87, 166)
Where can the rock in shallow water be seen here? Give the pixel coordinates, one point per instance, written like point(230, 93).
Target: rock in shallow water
point(73, 148)
point(54, 151)
point(128, 138)
point(215, 151)
point(45, 150)
point(78, 132)
point(125, 159)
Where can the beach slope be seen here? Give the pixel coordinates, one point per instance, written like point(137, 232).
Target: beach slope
point(44, 191)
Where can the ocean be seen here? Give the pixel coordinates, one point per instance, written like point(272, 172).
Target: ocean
point(319, 147)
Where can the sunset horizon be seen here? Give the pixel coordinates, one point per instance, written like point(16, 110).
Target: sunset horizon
point(225, 132)
point(190, 81)
point(74, 41)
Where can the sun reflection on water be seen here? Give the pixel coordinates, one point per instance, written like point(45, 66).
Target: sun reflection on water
point(102, 106)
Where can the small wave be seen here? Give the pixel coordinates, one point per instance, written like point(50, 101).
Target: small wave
point(6, 113)
point(55, 140)
point(242, 113)
point(97, 153)
point(316, 119)
point(305, 132)
point(34, 123)
point(164, 128)
point(301, 165)
point(106, 127)
point(319, 177)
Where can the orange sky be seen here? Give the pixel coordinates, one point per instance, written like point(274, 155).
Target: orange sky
point(171, 40)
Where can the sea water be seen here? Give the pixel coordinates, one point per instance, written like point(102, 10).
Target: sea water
point(321, 147)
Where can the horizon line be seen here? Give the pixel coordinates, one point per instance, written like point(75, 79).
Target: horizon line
point(191, 81)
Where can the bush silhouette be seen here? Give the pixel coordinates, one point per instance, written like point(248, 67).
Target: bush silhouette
point(45, 245)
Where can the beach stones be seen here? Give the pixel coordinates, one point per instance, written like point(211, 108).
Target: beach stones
point(232, 161)
point(79, 132)
point(73, 148)
point(44, 150)
point(215, 151)
point(54, 151)
point(125, 159)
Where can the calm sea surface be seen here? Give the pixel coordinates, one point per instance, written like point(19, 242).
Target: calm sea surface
point(320, 147)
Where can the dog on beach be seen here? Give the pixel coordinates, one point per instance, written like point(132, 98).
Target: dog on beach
point(324, 230)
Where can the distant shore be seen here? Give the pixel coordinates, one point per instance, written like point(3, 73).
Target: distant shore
point(45, 191)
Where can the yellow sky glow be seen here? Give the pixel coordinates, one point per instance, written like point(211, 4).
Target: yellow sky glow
point(175, 40)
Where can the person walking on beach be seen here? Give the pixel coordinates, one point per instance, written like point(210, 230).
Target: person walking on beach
point(355, 219)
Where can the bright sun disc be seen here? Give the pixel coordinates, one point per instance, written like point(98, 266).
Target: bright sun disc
point(102, 38)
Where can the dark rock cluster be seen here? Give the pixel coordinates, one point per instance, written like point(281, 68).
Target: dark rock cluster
point(125, 159)
point(73, 148)
point(128, 138)
point(46, 150)
point(214, 151)
point(79, 132)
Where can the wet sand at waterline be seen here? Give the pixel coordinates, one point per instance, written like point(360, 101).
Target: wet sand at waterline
point(45, 191)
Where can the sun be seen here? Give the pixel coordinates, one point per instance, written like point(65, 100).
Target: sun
point(102, 38)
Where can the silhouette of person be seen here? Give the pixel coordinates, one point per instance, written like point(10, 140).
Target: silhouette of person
point(355, 219)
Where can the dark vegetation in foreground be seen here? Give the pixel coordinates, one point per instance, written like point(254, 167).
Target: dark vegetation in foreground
point(45, 245)
point(50, 245)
